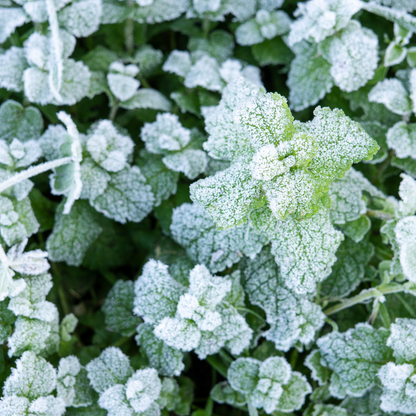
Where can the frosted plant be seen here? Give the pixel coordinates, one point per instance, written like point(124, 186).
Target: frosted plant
point(266, 25)
point(407, 193)
point(392, 93)
point(346, 194)
point(143, 11)
point(179, 146)
point(118, 308)
point(293, 318)
point(166, 360)
point(121, 80)
point(193, 229)
point(275, 161)
point(405, 232)
point(270, 385)
point(349, 269)
point(16, 260)
point(28, 389)
point(318, 19)
point(217, 9)
point(353, 56)
point(201, 318)
point(396, 51)
point(123, 391)
point(73, 385)
point(402, 139)
point(355, 357)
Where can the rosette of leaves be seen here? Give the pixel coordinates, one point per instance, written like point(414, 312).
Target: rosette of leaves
point(331, 49)
point(107, 180)
point(125, 391)
point(179, 146)
point(45, 76)
point(19, 149)
point(202, 317)
point(29, 388)
point(277, 162)
point(270, 385)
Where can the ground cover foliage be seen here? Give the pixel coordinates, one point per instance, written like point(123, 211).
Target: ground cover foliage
point(207, 207)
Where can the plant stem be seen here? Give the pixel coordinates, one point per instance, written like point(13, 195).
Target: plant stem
point(58, 285)
point(218, 365)
point(129, 31)
point(252, 411)
point(366, 295)
point(253, 313)
point(381, 215)
point(206, 25)
point(113, 110)
point(33, 171)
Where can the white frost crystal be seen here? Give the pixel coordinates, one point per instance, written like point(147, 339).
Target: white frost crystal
point(405, 232)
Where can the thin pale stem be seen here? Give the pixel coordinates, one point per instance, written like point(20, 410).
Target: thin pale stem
point(33, 171)
point(366, 295)
point(113, 110)
point(381, 215)
point(252, 411)
point(3, 257)
point(129, 31)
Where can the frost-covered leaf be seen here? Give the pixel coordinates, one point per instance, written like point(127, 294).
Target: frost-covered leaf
point(349, 269)
point(72, 383)
point(16, 121)
point(401, 339)
point(67, 327)
point(160, 10)
point(118, 308)
point(108, 147)
point(223, 393)
point(305, 251)
point(353, 56)
point(10, 19)
point(167, 360)
point(402, 139)
point(73, 234)
point(346, 196)
point(205, 73)
point(191, 162)
point(266, 25)
point(393, 95)
point(94, 178)
point(292, 318)
point(178, 62)
point(32, 378)
point(126, 198)
point(294, 393)
point(147, 98)
point(243, 375)
point(355, 357)
point(399, 385)
point(81, 18)
point(405, 232)
point(17, 220)
point(111, 368)
point(319, 372)
point(121, 80)
point(157, 293)
point(162, 180)
point(148, 59)
point(194, 230)
point(12, 66)
point(319, 19)
point(407, 192)
point(309, 78)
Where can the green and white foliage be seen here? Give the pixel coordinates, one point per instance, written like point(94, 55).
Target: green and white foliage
point(123, 391)
point(355, 357)
point(293, 318)
point(318, 20)
point(266, 25)
point(402, 139)
point(73, 385)
point(217, 10)
point(346, 194)
point(24, 263)
point(405, 233)
point(202, 317)
point(193, 229)
point(269, 385)
point(340, 52)
point(275, 161)
point(166, 360)
point(121, 80)
point(396, 51)
point(28, 390)
point(180, 147)
point(118, 308)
